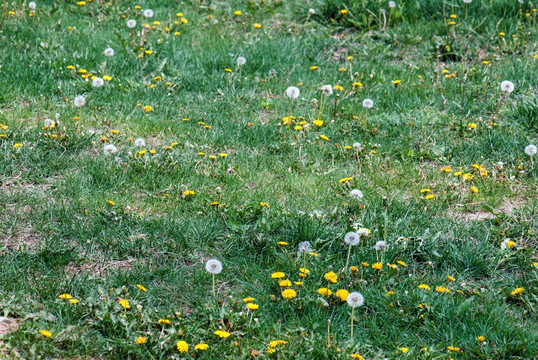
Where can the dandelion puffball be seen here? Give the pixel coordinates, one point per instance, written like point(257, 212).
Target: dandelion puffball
point(352, 238)
point(140, 142)
point(304, 246)
point(368, 103)
point(241, 61)
point(392, 4)
point(380, 246)
point(110, 149)
point(49, 122)
point(356, 194)
point(530, 150)
point(31, 5)
point(467, 1)
point(357, 146)
point(293, 92)
point(311, 11)
point(131, 23)
point(98, 82)
point(363, 232)
point(507, 86)
point(109, 51)
point(80, 101)
point(148, 13)
point(327, 89)
point(355, 299)
point(213, 266)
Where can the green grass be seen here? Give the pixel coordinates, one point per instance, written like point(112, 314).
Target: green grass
point(59, 235)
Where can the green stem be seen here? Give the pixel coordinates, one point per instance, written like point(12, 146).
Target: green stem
point(352, 315)
point(347, 260)
point(214, 292)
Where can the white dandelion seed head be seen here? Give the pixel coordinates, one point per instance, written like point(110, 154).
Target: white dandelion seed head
point(304, 246)
point(131, 23)
point(357, 146)
point(293, 92)
point(507, 86)
point(368, 103)
point(241, 61)
point(352, 238)
point(311, 11)
point(109, 51)
point(355, 299)
point(80, 101)
point(48, 122)
point(327, 89)
point(148, 13)
point(110, 149)
point(363, 232)
point(530, 150)
point(323, 302)
point(272, 73)
point(32, 5)
point(98, 82)
point(213, 266)
point(520, 1)
point(467, 1)
point(380, 246)
point(392, 4)
point(140, 142)
point(356, 194)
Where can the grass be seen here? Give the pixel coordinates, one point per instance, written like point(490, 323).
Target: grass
point(76, 221)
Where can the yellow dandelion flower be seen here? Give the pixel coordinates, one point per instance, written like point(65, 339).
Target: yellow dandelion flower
point(314, 67)
point(278, 275)
point(182, 346)
point(222, 333)
point(201, 346)
point(517, 291)
point(331, 277)
point(289, 294)
point(45, 333)
point(141, 287)
point(345, 179)
point(377, 265)
point(141, 340)
point(282, 243)
point(253, 306)
point(424, 287)
point(65, 296)
point(324, 137)
point(164, 321)
point(125, 304)
point(342, 294)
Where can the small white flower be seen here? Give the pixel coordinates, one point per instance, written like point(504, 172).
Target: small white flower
point(357, 146)
point(304, 246)
point(80, 101)
point(507, 86)
point(98, 82)
point(148, 13)
point(356, 194)
point(241, 61)
point(355, 299)
point(131, 23)
point(311, 11)
point(380, 246)
point(530, 150)
point(293, 92)
point(140, 142)
point(109, 51)
point(368, 103)
point(32, 5)
point(327, 89)
point(213, 266)
point(363, 232)
point(392, 4)
point(110, 149)
point(352, 238)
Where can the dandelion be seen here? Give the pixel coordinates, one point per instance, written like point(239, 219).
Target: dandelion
point(98, 82)
point(131, 23)
point(109, 51)
point(354, 300)
point(331, 277)
point(278, 275)
point(140, 142)
point(110, 149)
point(363, 232)
point(342, 294)
point(530, 150)
point(392, 4)
point(368, 103)
point(289, 294)
point(148, 13)
point(141, 340)
point(517, 291)
point(311, 11)
point(241, 61)
point(213, 267)
point(222, 334)
point(125, 304)
point(45, 333)
point(201, 347)
point(292, 92)
point(182, 346)
point(356, 194)
point(506, 87)
point(80, 101)
point(141, 287)
point(304, 246)
point(352, 239)
point(32, 5)
point(380, 246)
point(424, 287)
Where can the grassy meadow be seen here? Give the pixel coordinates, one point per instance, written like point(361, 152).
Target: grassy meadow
point(314, 148)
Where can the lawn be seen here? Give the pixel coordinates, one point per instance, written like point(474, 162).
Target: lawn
point(219, 179)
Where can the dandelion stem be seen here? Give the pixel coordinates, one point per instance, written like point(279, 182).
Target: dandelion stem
point(329, 333)
point(347, 260)
point(352, 315)
point(106, 65)
point(498, 107)
point(214, 292)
